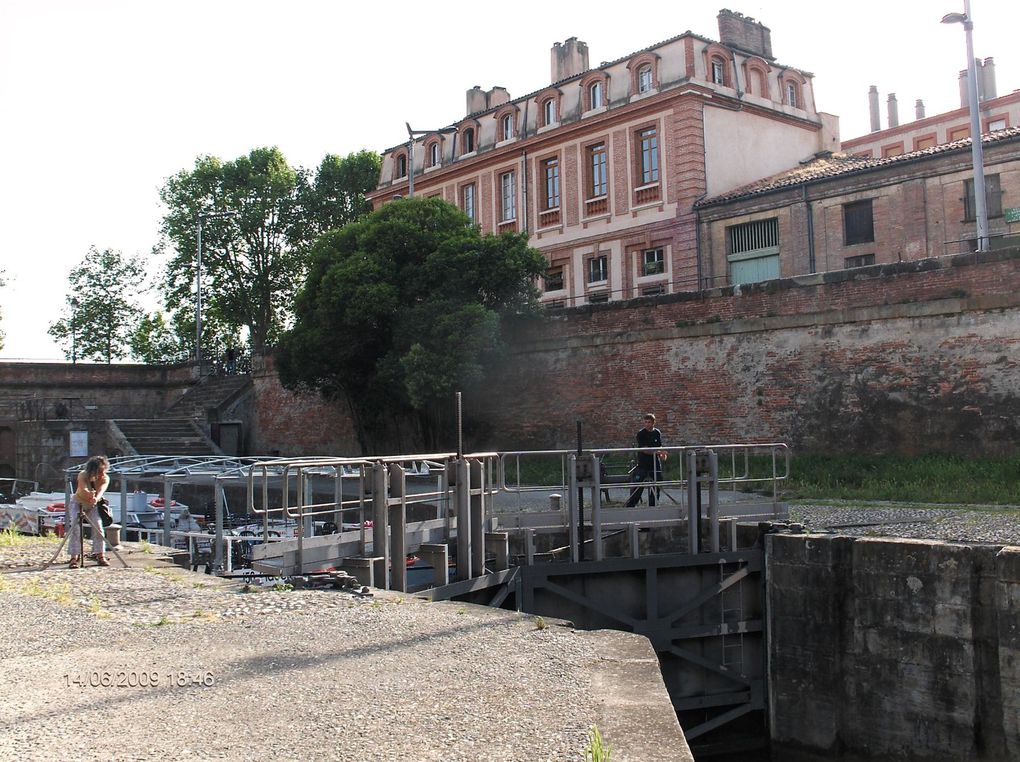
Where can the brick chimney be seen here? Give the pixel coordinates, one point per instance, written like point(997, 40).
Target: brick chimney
point(919, 109)
point(987, 79)
point(744, 33)
point(894, 110)
point(568, 59)
point(876, 124)
point(476, 100)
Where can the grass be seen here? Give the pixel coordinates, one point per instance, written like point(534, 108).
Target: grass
point(947, 479)
point(597, 749)
point(10, 538)
point(540, 623)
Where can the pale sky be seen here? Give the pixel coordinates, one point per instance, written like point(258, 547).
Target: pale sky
point(102, 100)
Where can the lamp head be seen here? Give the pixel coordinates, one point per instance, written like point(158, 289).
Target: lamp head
point(955, 18)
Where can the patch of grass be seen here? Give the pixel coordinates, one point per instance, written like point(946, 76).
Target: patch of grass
point(282, 587)
point(597, 749)
point(929, 478)
point(10, 538)
point(163, 621)
point(59, 592)
point(146, 546)
point(540, 623)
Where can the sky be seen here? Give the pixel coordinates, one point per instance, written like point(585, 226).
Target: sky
point(102, 100)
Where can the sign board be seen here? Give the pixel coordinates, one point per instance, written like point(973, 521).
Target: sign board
point(1012, 214)
point(79, 444)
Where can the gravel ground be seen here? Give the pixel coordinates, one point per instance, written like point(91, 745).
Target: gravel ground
point(166, 664)
point(998, 525)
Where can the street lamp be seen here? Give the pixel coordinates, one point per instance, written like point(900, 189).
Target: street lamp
point(977, 149)
point(198, 282)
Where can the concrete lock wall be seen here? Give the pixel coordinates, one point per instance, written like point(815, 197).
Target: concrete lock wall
point(902, 649)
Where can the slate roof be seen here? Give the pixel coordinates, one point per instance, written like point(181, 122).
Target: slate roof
point(829, 165)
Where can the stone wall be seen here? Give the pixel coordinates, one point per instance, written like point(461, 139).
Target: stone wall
point(907, 358)
point(889, 649)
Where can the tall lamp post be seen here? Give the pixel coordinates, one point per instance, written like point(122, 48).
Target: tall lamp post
point(977, 150)
point(202, 216)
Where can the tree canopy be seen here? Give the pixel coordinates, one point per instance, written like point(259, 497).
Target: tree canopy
point(260, 216)
point(99, 316)
point(402, 309)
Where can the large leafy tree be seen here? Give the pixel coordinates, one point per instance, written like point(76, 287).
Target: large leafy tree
point(99, 318)
point(402, 309)
point(259, 217)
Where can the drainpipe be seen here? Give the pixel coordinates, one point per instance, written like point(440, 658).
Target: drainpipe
point(697, 242)
point(810, 230)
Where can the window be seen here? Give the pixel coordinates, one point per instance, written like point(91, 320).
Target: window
point(652, 262)
point(597, 166)
point(468, 201)
point(997, 124)
point(858, 223)
point(508, 197)
point(791, 94)
point(554, 278)
point(644, 79)
point(598, 269)
point(595, 95)
point(993, 198)
point(401, 166)
point(434, 155)
point(893, 149)
point(753, 251)
point(653, 291)
point(958, 133)
point(759, 88)
point(549, 112)
point(469, 141)
point(649, 153)
point(599, 298)
point(928, 141)
point(506, 129)
point(862, 260)
point(551, 173)
point(718, 71)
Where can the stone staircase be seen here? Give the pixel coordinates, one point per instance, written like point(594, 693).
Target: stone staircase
point(182, 430)
point(163, 436)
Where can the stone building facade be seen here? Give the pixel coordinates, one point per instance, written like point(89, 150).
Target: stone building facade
point(602, 168)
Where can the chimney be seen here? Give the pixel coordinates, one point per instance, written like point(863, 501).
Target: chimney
point(988, 79)
point(873, 107)
point(894, 111)
point(569, 59)
point(475, 100)
point(744, 33)
point(964, 98)
point(919, 109)
point(497, 96)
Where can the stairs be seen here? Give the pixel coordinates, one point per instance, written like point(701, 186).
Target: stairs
point(212, 392)
point(165, 436)
point(182, 428)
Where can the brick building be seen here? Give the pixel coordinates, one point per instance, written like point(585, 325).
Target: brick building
point(996, 113)
point(839, 211)
point(602, 168)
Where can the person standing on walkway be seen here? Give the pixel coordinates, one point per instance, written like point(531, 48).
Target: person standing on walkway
point(92, 483)
point(648, 467)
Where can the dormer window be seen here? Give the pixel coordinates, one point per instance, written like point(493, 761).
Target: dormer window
point(595, 95)
point(469, 141)
point(644, 79)
point(434, 155)
point(549, 112)
point(506, 127)
point(402, 166)
point(718, 71)
point(791, 94)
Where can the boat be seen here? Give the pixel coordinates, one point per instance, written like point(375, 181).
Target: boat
point(44, 512)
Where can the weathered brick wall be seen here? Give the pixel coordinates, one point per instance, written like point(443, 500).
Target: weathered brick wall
point(907, 358)
point(894, 648)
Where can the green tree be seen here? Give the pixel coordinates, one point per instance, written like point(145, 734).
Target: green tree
point(254, 260)
point(155, 342)
point(98, 318)
point(402, 309)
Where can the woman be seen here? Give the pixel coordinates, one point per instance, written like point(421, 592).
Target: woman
point(92, 483)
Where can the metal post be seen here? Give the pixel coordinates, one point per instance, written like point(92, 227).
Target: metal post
point(398, 527)
point(575, 523)
point(198, 299)
point(380, 546)
point(477, 500)
point(218, 514)
point(596, 511)
point(713, 502)
point(168, 490)
point(463, 494)
point(580, 502)
point(977, 148)
point(693, 499)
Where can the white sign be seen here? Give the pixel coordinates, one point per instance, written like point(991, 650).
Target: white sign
point(79, 444)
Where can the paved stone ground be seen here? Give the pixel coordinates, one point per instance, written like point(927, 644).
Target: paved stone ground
point(155, 662)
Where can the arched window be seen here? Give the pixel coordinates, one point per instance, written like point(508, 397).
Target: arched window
point(506, 129)
point(549, 111)
point(434, 154)
point(595, 95)
point(791, 95)
point(469, 141)
point(402, 166)
point(644, 79)
point(718, 71)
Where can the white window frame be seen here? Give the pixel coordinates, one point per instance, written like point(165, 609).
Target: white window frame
point(656, 258)
point(549, 111)
point(598, 265)
point(434, 155)
point(791, 95)
point(508, 194)
point(506, 127)
point(596, 97)
point(467, 195)
point(644, 79)
point(648, 146)
point(718, 71)
point(551, 179)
